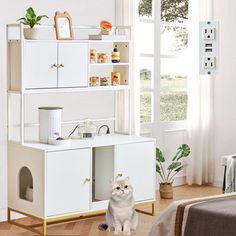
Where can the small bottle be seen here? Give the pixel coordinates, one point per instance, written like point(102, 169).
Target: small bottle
point(93, 56)
point(115, 78)
point(102, 58)
point(115, 56)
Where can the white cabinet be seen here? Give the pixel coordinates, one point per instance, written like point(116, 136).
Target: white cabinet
point(73, 180)
point(55, 64)
point(137, 161)
point(73, 65)
point(39, 58)
point(68, 181)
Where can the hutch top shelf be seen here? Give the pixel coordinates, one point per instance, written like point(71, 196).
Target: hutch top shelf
point(47, 65)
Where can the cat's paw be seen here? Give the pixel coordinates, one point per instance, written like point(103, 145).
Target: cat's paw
point(127, 232)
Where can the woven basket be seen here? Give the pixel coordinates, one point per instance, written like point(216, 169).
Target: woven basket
point(166, 191)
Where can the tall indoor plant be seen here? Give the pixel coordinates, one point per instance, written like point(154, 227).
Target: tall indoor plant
point(167, 176)
point(31, 19)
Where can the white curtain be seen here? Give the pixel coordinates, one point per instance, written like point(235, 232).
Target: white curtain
point(200, 102)
point(127, 120)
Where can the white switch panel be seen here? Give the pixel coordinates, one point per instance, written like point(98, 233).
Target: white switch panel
point(208, 47)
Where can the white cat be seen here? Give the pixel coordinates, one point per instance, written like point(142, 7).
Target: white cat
point(121, 214)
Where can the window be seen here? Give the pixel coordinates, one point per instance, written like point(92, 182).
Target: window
point(171, 85)
point(146, 37)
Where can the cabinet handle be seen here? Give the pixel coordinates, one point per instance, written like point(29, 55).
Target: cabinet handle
point(119, 175)
point(61, 65)
point(87, 180)
point(54, 65)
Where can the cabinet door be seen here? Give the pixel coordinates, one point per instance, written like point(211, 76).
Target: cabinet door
point(67, 189)
point(39, 58)
point(73, 64)
point(138, 162)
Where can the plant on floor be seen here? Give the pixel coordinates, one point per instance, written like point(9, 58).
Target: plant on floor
point(176, 165)
point(167, 176)
point(30, 18)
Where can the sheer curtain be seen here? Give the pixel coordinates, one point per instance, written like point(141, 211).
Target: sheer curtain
point(128, 101)
point(200, 103)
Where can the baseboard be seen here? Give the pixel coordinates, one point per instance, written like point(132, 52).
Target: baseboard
point(14, 216)
point(180, 180)
point(3, 214)
point(218, 183)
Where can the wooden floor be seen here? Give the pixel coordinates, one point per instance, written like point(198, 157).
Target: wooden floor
point(88, 227)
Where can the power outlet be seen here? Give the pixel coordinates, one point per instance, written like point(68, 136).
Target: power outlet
point(209, 62)
point(208, 33)
point(208, 47)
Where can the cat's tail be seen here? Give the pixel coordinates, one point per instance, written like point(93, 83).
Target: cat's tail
point(103, 227)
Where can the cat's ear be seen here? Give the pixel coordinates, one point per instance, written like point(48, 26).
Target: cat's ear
point(127, 179)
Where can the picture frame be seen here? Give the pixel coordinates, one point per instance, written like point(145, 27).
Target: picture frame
point(63, 26)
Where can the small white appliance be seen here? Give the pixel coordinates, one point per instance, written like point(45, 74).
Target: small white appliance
point(49, 123)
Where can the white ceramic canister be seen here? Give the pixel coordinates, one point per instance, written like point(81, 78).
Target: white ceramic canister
point(49, 123)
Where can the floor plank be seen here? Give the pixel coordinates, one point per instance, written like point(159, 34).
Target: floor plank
point(88, 227)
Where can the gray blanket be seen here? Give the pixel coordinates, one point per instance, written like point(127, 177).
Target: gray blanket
point(212, 218)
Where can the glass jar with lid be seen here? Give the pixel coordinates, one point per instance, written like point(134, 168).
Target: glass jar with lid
point(87, 130)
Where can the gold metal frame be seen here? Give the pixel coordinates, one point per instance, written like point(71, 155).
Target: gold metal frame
point(63, 219)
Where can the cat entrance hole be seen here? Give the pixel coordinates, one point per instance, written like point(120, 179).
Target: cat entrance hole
point(26, 184)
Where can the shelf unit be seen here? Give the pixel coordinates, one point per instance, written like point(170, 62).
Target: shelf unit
point(68, 182)
point(17, 74)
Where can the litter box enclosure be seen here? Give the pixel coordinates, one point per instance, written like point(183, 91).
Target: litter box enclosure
point(26, 180)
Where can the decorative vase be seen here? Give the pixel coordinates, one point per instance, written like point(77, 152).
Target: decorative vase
point(166, 190)
point(31, 33)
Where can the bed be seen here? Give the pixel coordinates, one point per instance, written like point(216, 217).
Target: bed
point(208, 216)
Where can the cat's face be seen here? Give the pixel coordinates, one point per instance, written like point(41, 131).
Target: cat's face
point(121, 189)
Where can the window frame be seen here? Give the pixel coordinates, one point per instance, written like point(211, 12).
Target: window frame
point(146, 127)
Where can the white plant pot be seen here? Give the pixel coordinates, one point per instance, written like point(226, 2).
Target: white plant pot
point(31, 33)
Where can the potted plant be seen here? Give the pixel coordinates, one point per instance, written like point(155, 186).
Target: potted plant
point(31, 20)
point(167, 176)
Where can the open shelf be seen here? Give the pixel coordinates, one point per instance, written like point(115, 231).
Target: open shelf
point(103, 172)
point(110, 64)
point(111, 40)
point(71, 90)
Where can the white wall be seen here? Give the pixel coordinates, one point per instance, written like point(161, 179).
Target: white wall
point(225, 85)
point(83, 12)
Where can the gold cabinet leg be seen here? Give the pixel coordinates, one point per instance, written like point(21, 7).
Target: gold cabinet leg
point(44, 228)
point(8, 215)
point(154, 208)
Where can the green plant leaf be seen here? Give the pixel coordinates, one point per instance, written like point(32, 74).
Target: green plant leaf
point(38, 18)
point(30, 18)
point(158, 169)
point(174, 165)
point(159, 156)
point(22, 18)
point(30, 13)
point(182, 151)
point(180, 168)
